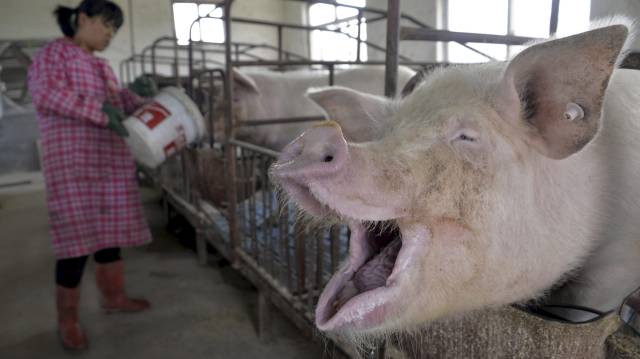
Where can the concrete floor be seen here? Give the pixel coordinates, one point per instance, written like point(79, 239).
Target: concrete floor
point(198, 312)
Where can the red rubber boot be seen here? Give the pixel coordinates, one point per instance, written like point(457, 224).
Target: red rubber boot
point(71, 334)
point(110, 280)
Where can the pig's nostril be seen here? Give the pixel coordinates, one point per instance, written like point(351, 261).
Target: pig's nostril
point(328, 158)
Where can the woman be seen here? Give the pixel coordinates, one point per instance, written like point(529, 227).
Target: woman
point(92, 195)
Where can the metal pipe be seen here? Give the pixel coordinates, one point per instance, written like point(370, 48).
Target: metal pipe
point(229, 134)
point(553, 20)
point(304, 27)
point(359, 35)
point(393, 40)
point(279, 42)
point(412, 33)
point(328, 63)
point(273, 121)
point(255, 148)
point(131, 32)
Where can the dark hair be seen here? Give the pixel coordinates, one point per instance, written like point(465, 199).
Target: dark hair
point(68, 17)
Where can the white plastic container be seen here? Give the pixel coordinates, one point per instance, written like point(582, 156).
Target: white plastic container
point(163, 127)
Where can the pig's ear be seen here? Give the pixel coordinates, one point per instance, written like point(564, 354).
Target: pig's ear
point(361, 116)
point(244, 81)
point(555, 89)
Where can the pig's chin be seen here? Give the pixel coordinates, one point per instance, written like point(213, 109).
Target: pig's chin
point(366, 293)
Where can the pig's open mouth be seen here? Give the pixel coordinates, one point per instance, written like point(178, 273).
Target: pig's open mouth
point(359, 295)
point(368, 290)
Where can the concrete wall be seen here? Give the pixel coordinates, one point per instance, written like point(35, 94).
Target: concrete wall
point(604, 8)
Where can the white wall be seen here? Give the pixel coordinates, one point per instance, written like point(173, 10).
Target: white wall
point(604, 8)
point(23, 19)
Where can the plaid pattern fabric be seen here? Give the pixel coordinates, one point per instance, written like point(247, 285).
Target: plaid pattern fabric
point(92, 194)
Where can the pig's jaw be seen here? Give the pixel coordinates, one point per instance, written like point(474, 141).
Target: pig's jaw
point(345, 305)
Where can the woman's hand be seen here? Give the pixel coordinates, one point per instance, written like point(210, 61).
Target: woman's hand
point(144, 86)
point(116, 116)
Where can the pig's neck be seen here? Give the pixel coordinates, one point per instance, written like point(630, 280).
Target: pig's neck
point(588, 204)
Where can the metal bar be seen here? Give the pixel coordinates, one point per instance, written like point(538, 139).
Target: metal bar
point(267, 226)
point(304, 27)
point(327, 63)
point(212, 101)
point(332, 79)
point(329, 2)
point(255, 148)
point(393, 40)
point(279, 42)
point(285, 231)
point(412, 33)
point(229, 148)
point(131, 32)
point(553, 21)
point(359, 35)
point(300, 254)
point(335, 247)
point(247, 179)
point(320, 258)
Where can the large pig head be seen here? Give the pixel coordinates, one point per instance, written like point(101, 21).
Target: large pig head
point(455, 196)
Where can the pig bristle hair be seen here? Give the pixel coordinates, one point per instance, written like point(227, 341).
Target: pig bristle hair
point(632, 25)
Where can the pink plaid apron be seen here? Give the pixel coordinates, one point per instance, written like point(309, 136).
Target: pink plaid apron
point(92, 194)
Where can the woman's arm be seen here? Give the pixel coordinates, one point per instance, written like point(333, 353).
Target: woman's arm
point(52, 96)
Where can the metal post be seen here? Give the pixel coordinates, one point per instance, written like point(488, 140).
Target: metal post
point(153, 60)
point(393, 38)
point(131, 32)
point(331, 75)
point(553, 21)
point(229, 134)
point(279, 43)
point(176, 66)
point(190, 67)
point(359, 35)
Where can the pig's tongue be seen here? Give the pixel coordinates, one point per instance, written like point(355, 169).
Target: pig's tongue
point(371, 275)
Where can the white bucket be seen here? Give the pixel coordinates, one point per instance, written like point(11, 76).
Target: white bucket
point(163, 127)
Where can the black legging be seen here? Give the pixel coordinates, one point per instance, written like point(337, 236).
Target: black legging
point(69, 271)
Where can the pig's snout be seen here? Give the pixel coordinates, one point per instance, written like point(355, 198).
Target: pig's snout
point(320, 151)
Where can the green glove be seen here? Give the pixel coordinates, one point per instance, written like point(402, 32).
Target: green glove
point(116, 116)
point(144, 86)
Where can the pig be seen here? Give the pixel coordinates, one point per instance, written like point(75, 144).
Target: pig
point(270, 95)
point(488, 185)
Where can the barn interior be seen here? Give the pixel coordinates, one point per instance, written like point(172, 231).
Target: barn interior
point(234, 269)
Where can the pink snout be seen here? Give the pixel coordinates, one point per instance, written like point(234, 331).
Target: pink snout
point(319, 152)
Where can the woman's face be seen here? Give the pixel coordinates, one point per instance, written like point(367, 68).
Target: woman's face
point(94, 34)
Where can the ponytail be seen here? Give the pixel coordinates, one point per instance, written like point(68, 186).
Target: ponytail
point(67, 20)
point(68, 17)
